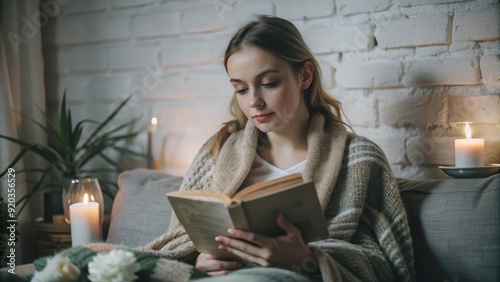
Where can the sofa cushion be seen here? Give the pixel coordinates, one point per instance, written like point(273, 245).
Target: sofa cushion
point(141, 211)
point(455, 227)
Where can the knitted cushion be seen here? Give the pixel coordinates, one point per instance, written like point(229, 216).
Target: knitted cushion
point(141, 211)
point(455, 227)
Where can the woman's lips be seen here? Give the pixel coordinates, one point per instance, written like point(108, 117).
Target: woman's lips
point(262, 117)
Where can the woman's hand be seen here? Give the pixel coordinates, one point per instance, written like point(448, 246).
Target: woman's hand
point(288, 251)
point(214, 267)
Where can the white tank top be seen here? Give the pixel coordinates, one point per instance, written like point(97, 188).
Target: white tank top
point(262, 171)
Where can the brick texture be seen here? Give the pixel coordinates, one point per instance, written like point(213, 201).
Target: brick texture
point(156, 24)
point(340, 39)
point(481, 109)
point(490, 68)
point(408, 73)
point(297, 9)
point(412, 111)
point(450, 71)
point(477, 26)
point(419, 31)
point(407, 3)
point(369, 75)
point(348, 7)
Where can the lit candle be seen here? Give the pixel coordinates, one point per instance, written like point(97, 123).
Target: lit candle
point(84, 222)
point(469, 152)
point(152, 130)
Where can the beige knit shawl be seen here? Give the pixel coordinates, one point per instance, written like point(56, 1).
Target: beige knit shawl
point(369, 233)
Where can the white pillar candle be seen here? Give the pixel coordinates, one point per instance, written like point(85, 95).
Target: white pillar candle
point(469, 152)
point(150, 149)
point(85, 227)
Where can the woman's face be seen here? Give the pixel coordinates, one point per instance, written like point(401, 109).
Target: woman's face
point(267, 90)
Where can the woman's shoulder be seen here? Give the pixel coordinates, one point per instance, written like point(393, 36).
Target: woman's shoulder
point(358, 140)
point(360, 148)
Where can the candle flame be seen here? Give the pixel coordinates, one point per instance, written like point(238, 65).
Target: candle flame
point(468, 132)
point(154, 121)
point(86, 199)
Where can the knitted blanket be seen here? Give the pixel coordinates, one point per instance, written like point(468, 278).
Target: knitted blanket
point(106, 263)
point(103, 262)
point(369, 237)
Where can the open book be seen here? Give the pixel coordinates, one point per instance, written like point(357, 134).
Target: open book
point(207, 214)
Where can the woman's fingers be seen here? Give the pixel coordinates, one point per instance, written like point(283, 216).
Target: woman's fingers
point(289, 228)
point(262, 250)
point(213, 266)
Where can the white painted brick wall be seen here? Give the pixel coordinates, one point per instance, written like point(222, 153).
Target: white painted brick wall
point(407, 3)
point(407, 72)
point(208, 83)
point(245, 10)
point(339, 39)
point(88, 58)
point(298, 9)
point(419, 31)
point(348, 7)
point(369, 75)
point(430, 150)
point(480, 109)
point(449, 71)
point(204, 19)
point(131, 3)
point(195, 116)
point(155, 24)
point(84, 6)
point(361, 109)
point(134, 55)
point(477, 26)
point(88, 28)
point(417, 111)
point(194, 50)
point(490, 68)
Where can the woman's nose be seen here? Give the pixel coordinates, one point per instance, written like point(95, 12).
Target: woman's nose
point(256, 100)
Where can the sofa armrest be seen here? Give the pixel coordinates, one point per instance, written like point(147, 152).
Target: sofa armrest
point(141, 211)
point(455, 227)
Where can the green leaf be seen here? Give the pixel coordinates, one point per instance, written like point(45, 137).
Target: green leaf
point(111, 162)
point(21, 203)
point(130, 152)
point(63, 125)
point(106, 121)
point(17, 141)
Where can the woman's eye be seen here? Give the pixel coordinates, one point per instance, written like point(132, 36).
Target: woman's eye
point(240, 91)
point(270, 84)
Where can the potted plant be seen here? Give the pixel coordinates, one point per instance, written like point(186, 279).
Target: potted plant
point(68, 152)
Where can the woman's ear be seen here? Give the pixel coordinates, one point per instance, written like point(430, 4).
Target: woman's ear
point(307, 74)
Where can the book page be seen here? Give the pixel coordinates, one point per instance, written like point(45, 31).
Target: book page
point(202, 195)
point(203, 221)
point(263, 188)
point(299, 204)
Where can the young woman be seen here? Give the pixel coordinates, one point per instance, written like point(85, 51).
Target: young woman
point(286, 123)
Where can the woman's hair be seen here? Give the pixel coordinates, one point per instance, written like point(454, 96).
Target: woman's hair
point(281, 38)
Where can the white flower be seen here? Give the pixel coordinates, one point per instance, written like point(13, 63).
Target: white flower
point(58, 268)
point(117, 265)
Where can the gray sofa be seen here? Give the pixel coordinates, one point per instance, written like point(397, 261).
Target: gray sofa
point(455, 223)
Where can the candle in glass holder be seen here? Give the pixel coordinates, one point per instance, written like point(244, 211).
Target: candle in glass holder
point(469, 152)
point(85, 227)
